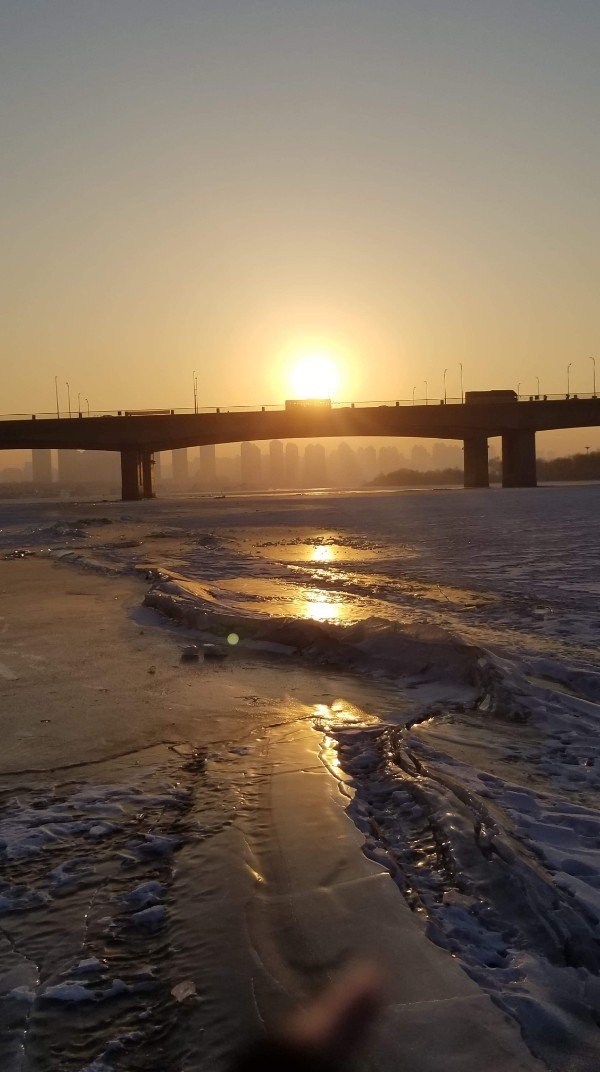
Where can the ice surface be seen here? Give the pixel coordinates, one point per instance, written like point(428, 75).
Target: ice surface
point(482, 607)
point(150, 918)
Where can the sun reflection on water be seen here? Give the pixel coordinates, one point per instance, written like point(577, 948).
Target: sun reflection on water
point(323, 553)
point(328, 718)
point(281, 599)
point(322, 606)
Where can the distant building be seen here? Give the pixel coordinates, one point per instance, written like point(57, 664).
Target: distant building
point(292, 465)
point(99, 467)
point(344, 466)
point(276, 464)
point(315, 466)
point(420, 459)
point(68, 466)
point(251, 465)
point(208, 465)
point(12, 475)
point(389, 459)
point(180, 466)
point(367, 462)
point(41, 466)
point(447, 455)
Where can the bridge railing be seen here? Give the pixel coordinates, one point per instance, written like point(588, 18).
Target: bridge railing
point(272, 407)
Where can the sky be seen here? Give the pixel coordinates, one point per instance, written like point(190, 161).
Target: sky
point(227, 186)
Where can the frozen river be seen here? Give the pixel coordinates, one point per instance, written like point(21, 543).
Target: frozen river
point(479, 607)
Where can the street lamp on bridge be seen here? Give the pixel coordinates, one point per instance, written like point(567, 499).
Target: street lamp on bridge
point(593, 360)
point(426, 399)
point(88, 405)
point(68, 397)
point(414, 389)
point(569, 379)
point(538, 385)
point(462, 393)
point(445, 397)
point(56, 393)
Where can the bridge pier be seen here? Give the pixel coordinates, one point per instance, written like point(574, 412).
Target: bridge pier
point(131, 475)
point(137, 478)
point(148, 474)
point(476, 468)
point(518, 460)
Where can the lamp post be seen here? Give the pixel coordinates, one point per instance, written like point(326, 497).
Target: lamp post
point(569, 379)
point(445, 396)
point(413, 396)
point(68, 397)
point(426, 399)
point(86, 400)
point(593, 360)
point(538, 383)
point(518, 391)
point(79, 403)
point(195, 382)
point(462, 393)
point(56, 393)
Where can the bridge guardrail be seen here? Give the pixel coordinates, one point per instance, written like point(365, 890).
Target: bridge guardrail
point(276, 407)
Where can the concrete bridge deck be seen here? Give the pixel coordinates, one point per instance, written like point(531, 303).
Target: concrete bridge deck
point(137, 437)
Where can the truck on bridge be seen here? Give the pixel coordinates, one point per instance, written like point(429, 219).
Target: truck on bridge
point(491, 396)
point(307, 403)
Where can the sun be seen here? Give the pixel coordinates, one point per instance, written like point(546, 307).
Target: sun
point(314, 375)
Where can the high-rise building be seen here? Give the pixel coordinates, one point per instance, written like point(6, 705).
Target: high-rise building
point(447, 455)
point(420, 458)
point(99, 467)
point(208, 465)
point(315, 466)
point(292, 465)
point(251, 465)
point(68, 466)
point(276, 464)
point(367, 462)
point(228, 471)
point(180, 466)
point(41, 466)
point(389, 459)
point(344, 466)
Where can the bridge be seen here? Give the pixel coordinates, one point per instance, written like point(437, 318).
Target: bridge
point(137, 436)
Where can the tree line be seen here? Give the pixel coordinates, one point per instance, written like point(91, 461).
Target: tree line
point(574, 467)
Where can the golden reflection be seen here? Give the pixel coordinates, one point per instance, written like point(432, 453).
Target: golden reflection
point(321, 710)
point(330, 753)
point(323, 553)
point(276, 597)
point(322, 606)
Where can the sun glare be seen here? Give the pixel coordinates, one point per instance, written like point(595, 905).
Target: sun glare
point(314, 376)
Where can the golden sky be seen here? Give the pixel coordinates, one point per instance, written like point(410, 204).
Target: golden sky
point(216, 186)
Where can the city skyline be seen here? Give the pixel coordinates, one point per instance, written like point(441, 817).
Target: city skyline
point(267, 465)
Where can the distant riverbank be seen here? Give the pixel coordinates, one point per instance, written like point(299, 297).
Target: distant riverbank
point(575, 468)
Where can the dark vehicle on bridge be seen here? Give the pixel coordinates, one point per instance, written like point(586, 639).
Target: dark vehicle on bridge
point(491, 396)
point(308, 403)
point(148, 412)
